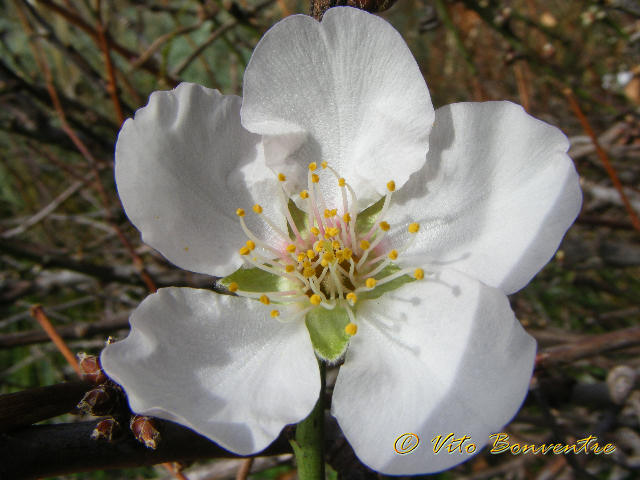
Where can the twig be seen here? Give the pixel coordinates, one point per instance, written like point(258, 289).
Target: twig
point(105, 45)
point(77, 331)
point(39, 315)
point(42, 214)
point(245, 469)
point(573, 103)
point(593, 345)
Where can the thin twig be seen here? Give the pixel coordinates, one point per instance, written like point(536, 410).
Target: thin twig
point(39, 315)
point(573, 103)
point(590, 346)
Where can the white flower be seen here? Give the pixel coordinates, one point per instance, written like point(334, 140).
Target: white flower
point(432, 345)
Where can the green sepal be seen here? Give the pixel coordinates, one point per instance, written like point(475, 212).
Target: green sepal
point(300, 218)
point(326, 329)
point(257, 280)
point(387, 287)
point(368, 216)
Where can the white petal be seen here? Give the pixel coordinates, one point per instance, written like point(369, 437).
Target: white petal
point(184, 164)
point(431, 358)
point(347, 91)
point(217, 364)
point(496, 196)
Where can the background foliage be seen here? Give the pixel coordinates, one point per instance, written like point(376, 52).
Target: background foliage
point(72, 70)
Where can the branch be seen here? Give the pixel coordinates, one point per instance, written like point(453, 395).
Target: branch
point(77, 331)
point(593, 345)
point(47, 450)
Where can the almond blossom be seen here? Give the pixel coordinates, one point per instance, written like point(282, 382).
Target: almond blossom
point(355, 224)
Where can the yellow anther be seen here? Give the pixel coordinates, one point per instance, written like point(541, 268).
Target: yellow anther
point(257, 208)
point(314, 230)
point(414, 227)
point(315, 178)
point(282, 177)
point(418, 274)
point(393, 254)
point(384, 226)
point(332, 232)
point(264, 299)
point(347, 253)
point(251, 244)
point(308, 272)
point(310, 254)
point(342, 182)
point(291, 248)
point(240, 212)
point(364, 245)
point(334, 212)
point(352, 298)
point(304, 194)
point(275, 313)
point(327, 213)
point(315, 299)
point(370, 282)
point(313, 166)
point(318, 246)
point(324, 262)
point(244, 251)
point(335, 244)
point(300, 257)
point(346, 217)
point(289, 268)
point(351, 329)
point(328, 256)
point(323, 164)
point(233, 287)
point(391, 185)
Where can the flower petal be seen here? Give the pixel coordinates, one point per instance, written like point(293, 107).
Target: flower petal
point(184, 164)
point(432, 357)
point(346, 91)
point(217, 364)
point(496, 196)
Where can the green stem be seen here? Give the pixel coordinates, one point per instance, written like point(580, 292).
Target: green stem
point(308, 445)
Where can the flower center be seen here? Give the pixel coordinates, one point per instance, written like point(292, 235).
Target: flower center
point(328, 258)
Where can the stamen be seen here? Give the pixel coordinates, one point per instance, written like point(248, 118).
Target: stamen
point(313, 166)
point(257, 208)
point(240, 212)
point(352, 298)
point(414, 227)
point(264, 299)
point(275, 313)
point(351, 329)
point(315, 299)
point(418, 274)
point(282, 177)
point(244, 250)
point(370, 282)
point(233, 287)
point(304, 194)
point(391, 185)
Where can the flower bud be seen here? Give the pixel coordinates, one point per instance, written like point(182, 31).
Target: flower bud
point(91, 369)
point(107, 430)
point(145, 431)
point(99, 401)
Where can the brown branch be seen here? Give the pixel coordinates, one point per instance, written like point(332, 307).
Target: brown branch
point(69, 332)
point(38, 313)
point(48, 450)
point(25, 408)
point(112, 86)
point(590, 346)
point(573, 103)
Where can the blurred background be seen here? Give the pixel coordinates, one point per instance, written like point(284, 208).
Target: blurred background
point(71, 71)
